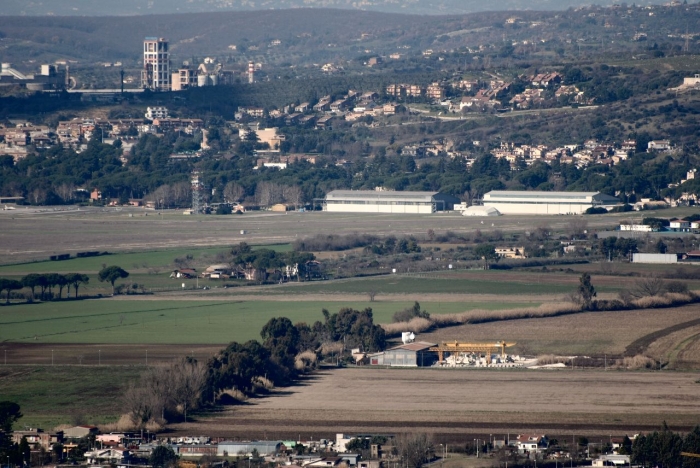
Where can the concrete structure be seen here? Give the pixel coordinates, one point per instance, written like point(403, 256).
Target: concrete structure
point(547, 203)
point(183, 78)
point(370, 201)
point(156, 65)
point(49, 78)
point(235, 448)
point(414, 354)
point(78, 432)
point(691, 81)
point(654, 258)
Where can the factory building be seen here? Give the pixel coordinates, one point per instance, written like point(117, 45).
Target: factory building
point(547, 203)
point(370, 201)
point(414, 354)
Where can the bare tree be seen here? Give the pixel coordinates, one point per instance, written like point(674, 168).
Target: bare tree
point(372, 293)
point(233, 192)
point(37, 196)
point(163, 197)
point(65, 191)
point(181, 193)
point(577, 227)
point(268, 193)
point(189, 379)
point(649, 286)
point(414, 449)
point(292, 194)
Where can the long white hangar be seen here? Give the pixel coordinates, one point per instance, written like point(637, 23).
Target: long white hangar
point(371, 201)
point(547, 203)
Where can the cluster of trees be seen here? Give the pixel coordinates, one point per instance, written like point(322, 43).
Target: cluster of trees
point(280, 357)
point(45, 282)
point(243, 256)
point(165, 393)
point(663, 448)
point(392, 245)
point(9, 414)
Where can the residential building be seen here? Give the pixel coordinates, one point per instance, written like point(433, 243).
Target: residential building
point(658, 145)
point(153, 113)
point(38, 438)
point(156, 65)
point(511, 252)
point(532, 443)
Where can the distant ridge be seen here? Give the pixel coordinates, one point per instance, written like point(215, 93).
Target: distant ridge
point(150, 7)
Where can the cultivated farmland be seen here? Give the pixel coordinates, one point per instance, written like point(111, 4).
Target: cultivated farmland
point(451, 404)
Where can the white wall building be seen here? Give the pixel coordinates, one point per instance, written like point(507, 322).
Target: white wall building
point(370, 201)
point(547, 203)
point(654, 258)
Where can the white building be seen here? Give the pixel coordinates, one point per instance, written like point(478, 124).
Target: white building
point(153, 113)
point(370, 201)
point(476, 210)
point(547, 203)
point(637, 228)
point(156, 64)
point(654, 258)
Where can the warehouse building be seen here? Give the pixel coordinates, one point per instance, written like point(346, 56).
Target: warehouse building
point(547, 203)
point(234, 449)
point(654, 258)
point(415, 354)
point(371, 201)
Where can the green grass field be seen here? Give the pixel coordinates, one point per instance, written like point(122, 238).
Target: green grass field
point(135, 260)
point(180, 322)
point(49, 396)
point(431, 284)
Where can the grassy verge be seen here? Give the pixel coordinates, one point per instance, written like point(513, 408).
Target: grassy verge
point(49, 396)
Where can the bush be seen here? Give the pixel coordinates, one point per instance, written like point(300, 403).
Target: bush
point(409, 313)
point(677, 287)
point(595, 210)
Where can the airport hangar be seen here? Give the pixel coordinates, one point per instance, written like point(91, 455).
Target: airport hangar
point(547, 203)
point(388, 201)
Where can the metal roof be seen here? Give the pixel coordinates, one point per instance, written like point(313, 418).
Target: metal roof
point(415, 346)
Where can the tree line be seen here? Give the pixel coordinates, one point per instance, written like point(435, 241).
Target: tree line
point(45, 283)
point(663, 449)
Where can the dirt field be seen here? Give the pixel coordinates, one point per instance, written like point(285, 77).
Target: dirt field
point(587, 333)
point(451, 404)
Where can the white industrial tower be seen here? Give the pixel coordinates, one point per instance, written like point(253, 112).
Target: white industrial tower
point(156, 64)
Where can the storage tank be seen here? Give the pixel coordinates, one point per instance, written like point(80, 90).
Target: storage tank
point(214, 80)
point(202, 80)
